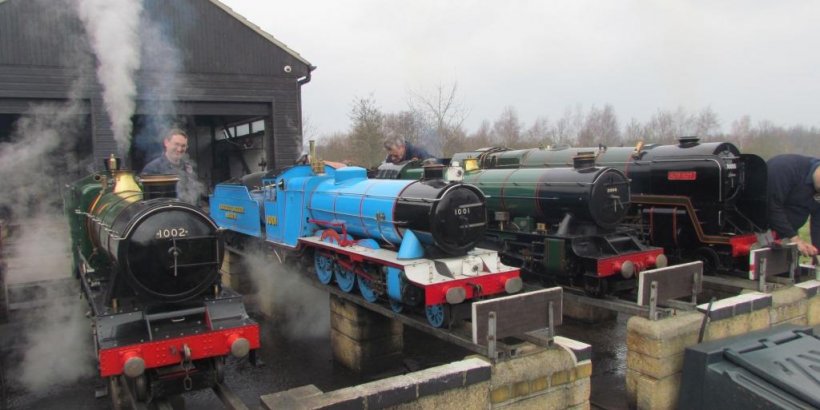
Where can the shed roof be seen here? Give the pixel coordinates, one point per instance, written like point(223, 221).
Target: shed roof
point(257, 29)
point(254, 27)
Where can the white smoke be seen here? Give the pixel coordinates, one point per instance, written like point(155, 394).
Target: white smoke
point(33, 166)
point(63, 320)
point(112, 26)
point(190, 189)
point(302, 308)
point(37, 156)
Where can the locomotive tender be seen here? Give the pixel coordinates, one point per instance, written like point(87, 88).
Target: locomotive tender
point(698, 200)
point(559, 224)
point(149, 268)
point(409, 242)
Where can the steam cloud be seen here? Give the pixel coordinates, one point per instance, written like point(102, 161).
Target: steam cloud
point(303, 308)
point(112, 27)
point(33, 161)
point(63, 319)
point(32, 167)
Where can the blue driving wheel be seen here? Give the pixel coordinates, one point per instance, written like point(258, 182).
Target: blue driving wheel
point(366, 289)
point(346, 279)
point(438, 315)
point(397, 306)
point(324, 268)
point(366, 285)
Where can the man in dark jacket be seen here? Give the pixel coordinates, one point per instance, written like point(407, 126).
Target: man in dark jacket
point(399, 150)
point(794, 192)
point(174, 161)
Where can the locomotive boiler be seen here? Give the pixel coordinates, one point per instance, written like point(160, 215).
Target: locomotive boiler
point(410, 243)
point(149, 267)
point(698, 200)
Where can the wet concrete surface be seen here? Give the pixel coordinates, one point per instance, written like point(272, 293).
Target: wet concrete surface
point(608, 341)
point(290, 363)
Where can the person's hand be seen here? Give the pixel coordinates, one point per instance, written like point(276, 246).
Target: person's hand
point(805, 248)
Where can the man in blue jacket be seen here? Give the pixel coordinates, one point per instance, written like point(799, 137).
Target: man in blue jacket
point(399, 150)
point(794, 192)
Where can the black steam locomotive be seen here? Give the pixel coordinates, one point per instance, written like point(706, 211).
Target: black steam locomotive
point(149, 267)
point(699, 201)
point(558, 224)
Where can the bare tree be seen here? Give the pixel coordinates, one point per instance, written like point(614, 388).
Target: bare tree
point(634, 132)
point(600, 127)
point(661, 128)
point(741, 131)
point(507, 128)
point(482, 137)
point(338, 147)
point(409, 125)
point(567, 128)
point(540, 133)
point(367, 133)
point(444, 113)
point(707, 124)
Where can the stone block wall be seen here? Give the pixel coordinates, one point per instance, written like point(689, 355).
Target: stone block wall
point(363, 340)
point(556, 377)
point(655, 348)
point(461, 385)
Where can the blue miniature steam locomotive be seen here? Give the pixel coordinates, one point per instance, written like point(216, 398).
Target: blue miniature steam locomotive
point(411, 243)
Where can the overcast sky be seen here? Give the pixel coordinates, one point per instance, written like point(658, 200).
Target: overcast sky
point(760, 58)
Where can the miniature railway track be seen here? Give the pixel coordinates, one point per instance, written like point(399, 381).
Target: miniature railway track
point(126, 398)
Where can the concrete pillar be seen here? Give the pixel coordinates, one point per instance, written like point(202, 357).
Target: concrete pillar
point(789, 305)
point(230, 269)
point(655, 349)
point(811, 289)
point(363, 340)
